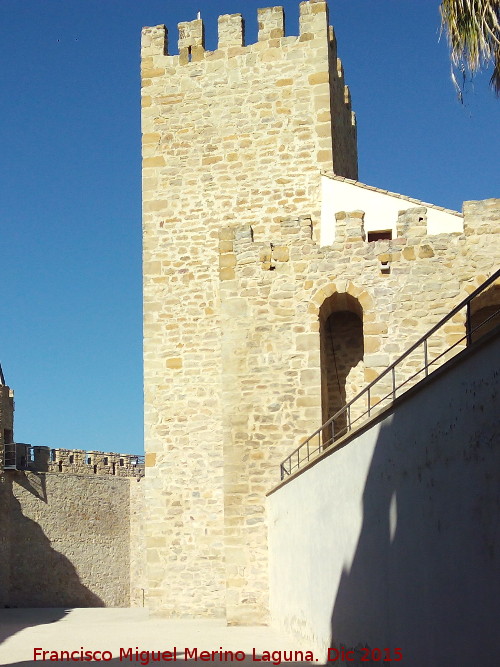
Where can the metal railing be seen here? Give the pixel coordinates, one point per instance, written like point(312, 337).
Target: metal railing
point(350, 415)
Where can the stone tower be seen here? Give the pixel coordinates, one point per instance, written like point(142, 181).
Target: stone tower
point(237, 136)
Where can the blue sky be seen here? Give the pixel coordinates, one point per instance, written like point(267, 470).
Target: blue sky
point(70, 218)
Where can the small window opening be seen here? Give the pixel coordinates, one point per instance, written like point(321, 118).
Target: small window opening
point(121, 462)
point(52, 454)
point(60, 466)
point(105, 460)
point(385, 267)
point(89, 460)
point(113, 468)
point(71, 458)
point(380, 235)
point(95, 469)
point(190, 54)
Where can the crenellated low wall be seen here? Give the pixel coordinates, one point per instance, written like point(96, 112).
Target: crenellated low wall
point(77, 461)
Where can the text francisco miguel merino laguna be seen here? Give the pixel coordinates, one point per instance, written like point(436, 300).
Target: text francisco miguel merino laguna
point(146, 657)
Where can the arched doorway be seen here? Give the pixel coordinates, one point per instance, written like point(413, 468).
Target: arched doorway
point(485, 314)
point(342, 350)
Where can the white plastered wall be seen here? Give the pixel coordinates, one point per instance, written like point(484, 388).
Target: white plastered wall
point(381, 209)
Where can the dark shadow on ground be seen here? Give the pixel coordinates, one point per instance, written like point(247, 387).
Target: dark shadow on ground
point(15, 620)
point(425, 574)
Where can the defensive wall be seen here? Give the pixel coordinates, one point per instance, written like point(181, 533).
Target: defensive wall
point(70, 526)
point(391, 539)
point(6, 434)
point(268, 303)
point(304, 328)
point(83, 462)
point(254, 332)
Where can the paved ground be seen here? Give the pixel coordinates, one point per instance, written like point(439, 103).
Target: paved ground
point(23, 630)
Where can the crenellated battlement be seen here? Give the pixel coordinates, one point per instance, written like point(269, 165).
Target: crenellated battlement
point(313, 24)
point(233, 138)
point(271, 292)
point(191, 41)
point(271, 23)
point(241, 258)
point(21, 456)
point(231, 31)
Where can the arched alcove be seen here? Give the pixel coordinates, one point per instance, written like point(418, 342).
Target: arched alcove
point(342, 350)
point(485, 312)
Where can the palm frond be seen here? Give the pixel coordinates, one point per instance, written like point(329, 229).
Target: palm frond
point(473, 31)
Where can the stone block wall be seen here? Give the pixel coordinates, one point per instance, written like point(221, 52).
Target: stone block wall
point(6, 428)
point(5, 563)
point(237, 134)
point(87, 462)
point(76, 461)
point(71, 527)
point(138, 579)
point(70, 540)
point(272, 373)
point(6, 417)
point(234, 142)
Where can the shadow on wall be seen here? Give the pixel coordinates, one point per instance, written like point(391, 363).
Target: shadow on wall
point(40, 576)
point(37, 488)
point(424, 577)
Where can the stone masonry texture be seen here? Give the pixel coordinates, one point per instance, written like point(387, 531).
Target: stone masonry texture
point(68, 540)
point(235, 135)
point(272, 373)
point(71, 529)
point(6, 428)
point(138, 583)
point(254, 334)
point(237, 291)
